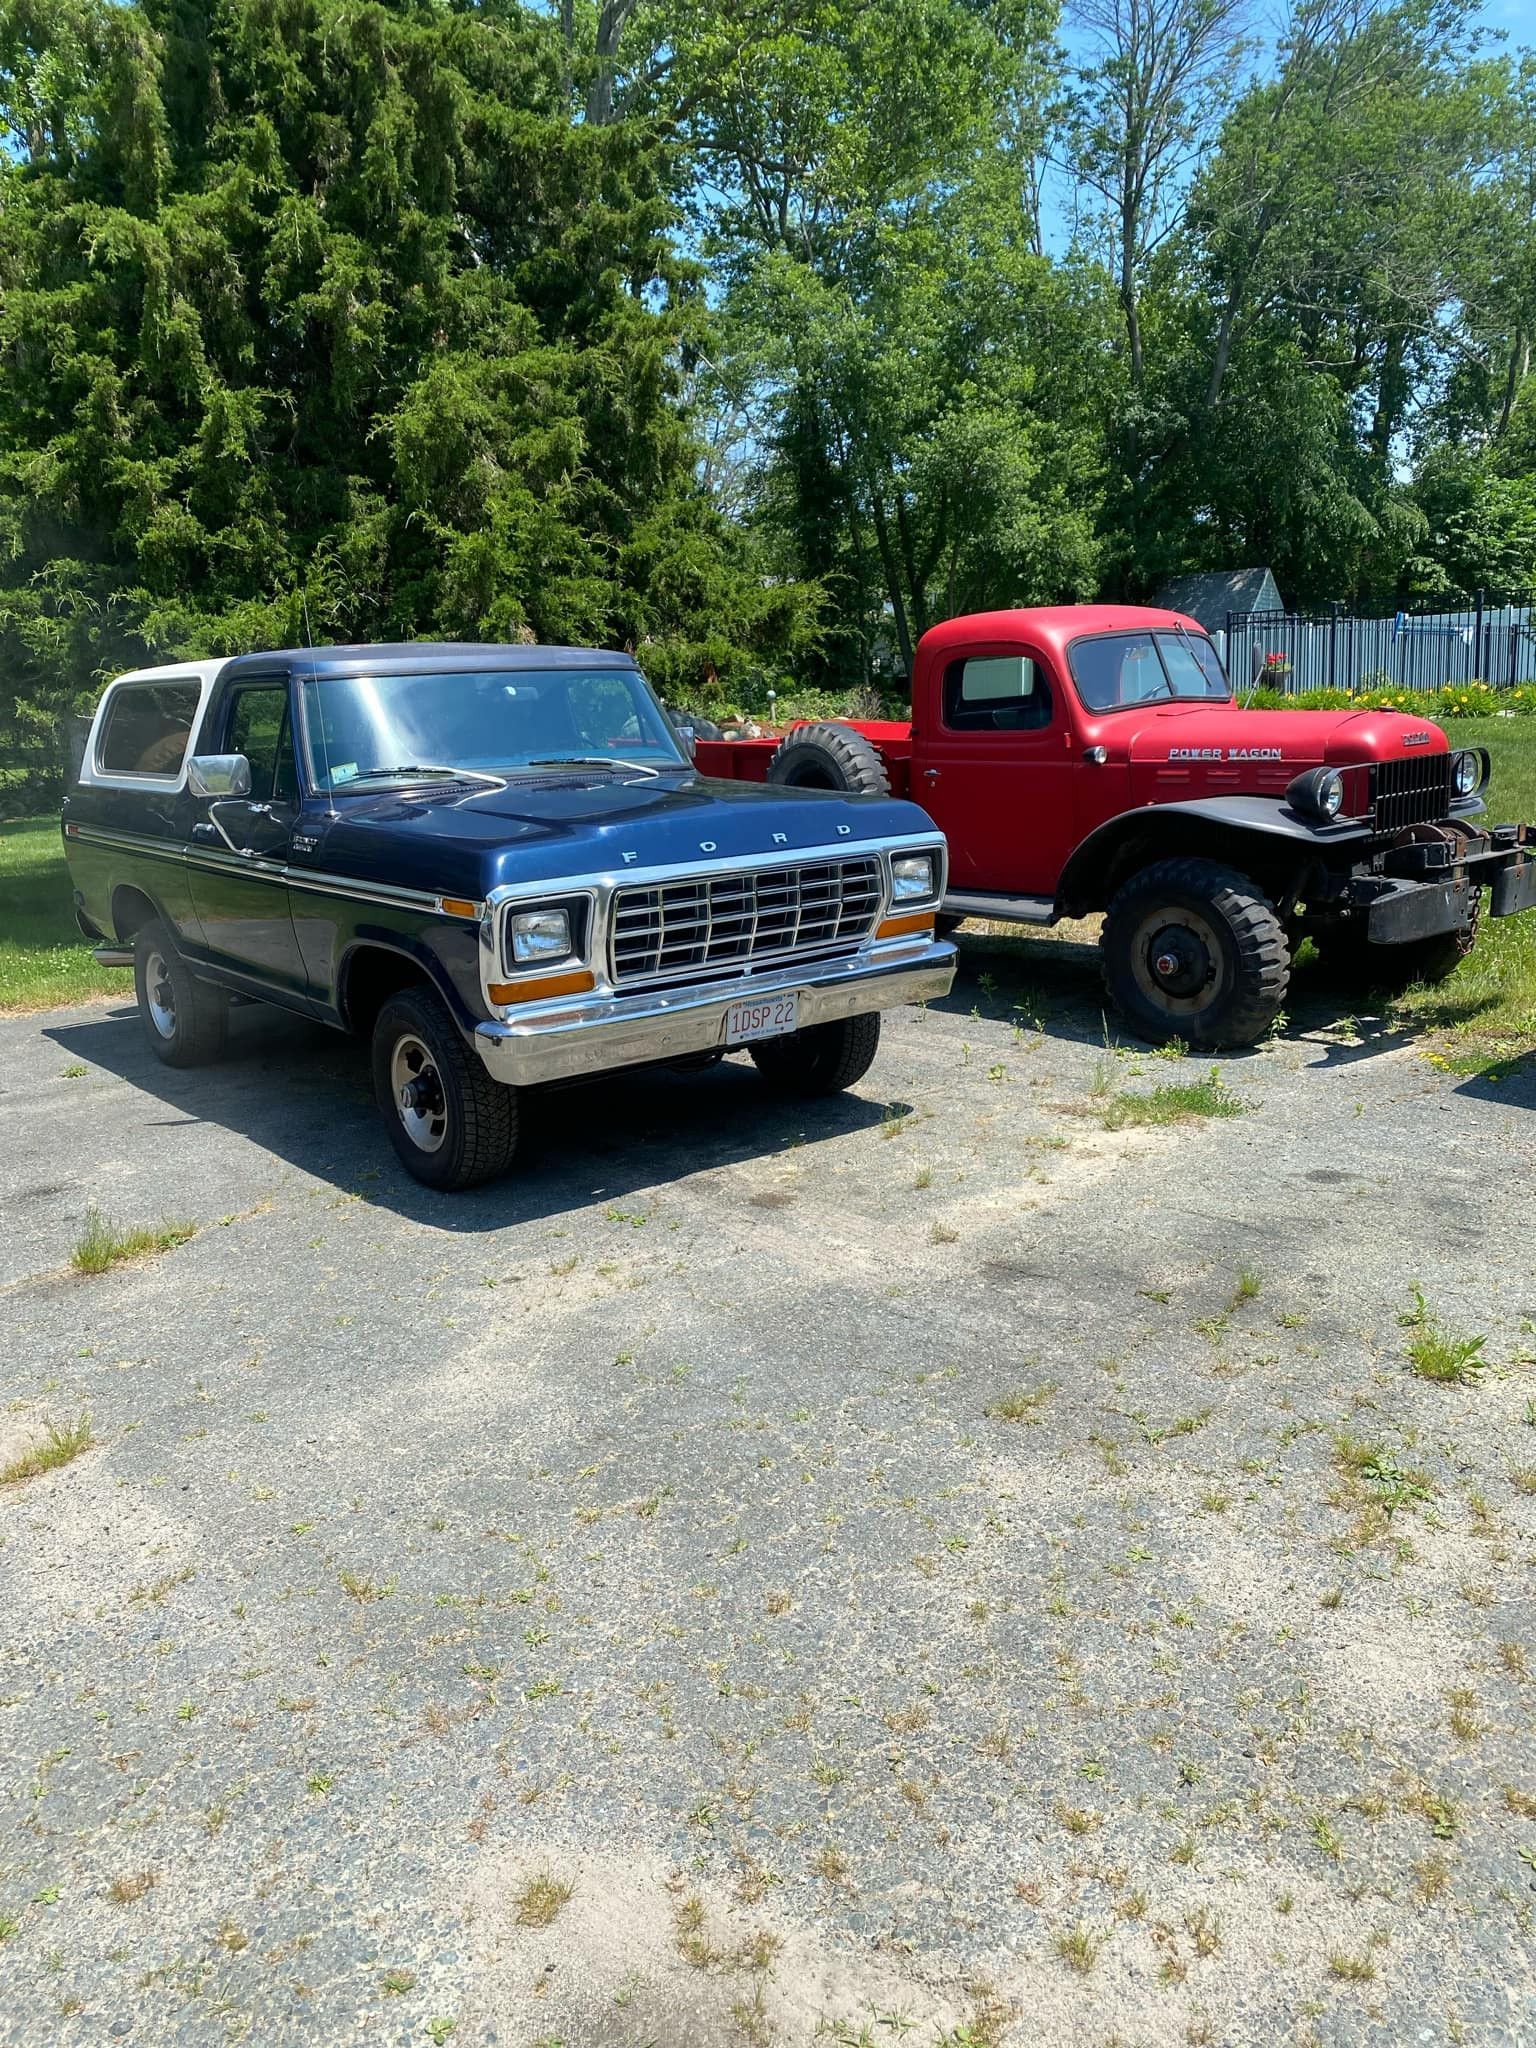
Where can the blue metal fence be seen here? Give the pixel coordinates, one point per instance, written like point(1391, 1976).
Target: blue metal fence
point(1408, 651)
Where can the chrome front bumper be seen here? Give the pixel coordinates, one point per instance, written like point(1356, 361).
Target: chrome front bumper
point(568, 1038)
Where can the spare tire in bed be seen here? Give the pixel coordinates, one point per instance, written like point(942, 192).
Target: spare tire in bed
point(830, 757)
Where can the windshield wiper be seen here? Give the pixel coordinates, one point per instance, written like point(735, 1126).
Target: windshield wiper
point(590, 761)
point(422, 768)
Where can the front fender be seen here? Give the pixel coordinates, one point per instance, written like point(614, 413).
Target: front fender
point(1216, 819)
point(451, 968)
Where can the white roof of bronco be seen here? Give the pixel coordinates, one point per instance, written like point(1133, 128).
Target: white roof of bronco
point(204, 673)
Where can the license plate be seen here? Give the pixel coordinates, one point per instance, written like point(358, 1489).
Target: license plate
point(769, 1017)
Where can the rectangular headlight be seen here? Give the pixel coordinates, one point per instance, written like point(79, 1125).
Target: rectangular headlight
point(538, 935)
point(911, 877)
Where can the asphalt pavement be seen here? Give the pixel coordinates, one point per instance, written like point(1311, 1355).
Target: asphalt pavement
point(922, 1567)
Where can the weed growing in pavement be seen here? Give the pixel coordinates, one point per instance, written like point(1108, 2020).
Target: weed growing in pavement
point(133, 1884)
point(1434, 1808)
point(1434, 1353)
point(541, 1899)
point(1078, 1948)
point(101, 1244)
point(62, 1442)
point(1351, 1969)
point(1465, 1725)
point(1172, 1102)
point(1021, 1404)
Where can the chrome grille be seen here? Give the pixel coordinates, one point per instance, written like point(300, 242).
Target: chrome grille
point(716, 923)
point(1413, 791)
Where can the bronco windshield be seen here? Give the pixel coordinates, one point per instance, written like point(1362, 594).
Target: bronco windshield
point(1115, 670)
point(375, 730)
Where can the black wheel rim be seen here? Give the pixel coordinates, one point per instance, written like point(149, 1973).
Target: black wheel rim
point(1176, 960)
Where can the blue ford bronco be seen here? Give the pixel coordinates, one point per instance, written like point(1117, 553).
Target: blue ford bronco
point(501, 864)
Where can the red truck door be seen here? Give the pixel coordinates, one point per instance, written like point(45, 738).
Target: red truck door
point(994, 766)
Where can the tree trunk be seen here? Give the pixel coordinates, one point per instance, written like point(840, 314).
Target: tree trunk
point(610, 27)
point(892, 570)
point(1519, 370)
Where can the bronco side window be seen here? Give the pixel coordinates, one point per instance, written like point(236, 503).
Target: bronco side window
point(258, 728)
point(146, 728)
point(996, 693)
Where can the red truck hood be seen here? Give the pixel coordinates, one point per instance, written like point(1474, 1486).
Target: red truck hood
point(1261, 749)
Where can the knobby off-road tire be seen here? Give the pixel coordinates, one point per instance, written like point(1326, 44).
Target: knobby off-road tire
point(1355, 963)
point(451, 1124)
point(824, 1059)
point(829, 757)
point(1194, 950)
point(184, 1019)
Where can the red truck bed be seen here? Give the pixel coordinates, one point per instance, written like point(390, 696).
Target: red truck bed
point(747, 760)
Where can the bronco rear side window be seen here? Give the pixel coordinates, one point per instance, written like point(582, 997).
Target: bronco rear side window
point(147, 727)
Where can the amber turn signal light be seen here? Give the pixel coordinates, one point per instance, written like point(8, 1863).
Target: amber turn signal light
point(541, 987)
point(911, 921)
point(458, 906)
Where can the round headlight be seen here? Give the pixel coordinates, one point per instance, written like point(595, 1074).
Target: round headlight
point(911, 877)
point(1319, 793)
point(1466, 772)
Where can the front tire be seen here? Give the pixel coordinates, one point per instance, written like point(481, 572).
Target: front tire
point(823, 1059)
point(184, 1019)
point(450, 1123)
point(1194, 950)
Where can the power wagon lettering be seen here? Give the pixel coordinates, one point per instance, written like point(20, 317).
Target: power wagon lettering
point(1227, 754)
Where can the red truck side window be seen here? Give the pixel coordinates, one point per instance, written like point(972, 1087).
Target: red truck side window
point(996, 693)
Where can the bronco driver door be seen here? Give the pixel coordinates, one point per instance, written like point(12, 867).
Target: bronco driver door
point(242, 842)
point(996, 773)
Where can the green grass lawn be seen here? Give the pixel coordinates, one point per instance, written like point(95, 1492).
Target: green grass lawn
point(44, 962)
point(1484, 1017)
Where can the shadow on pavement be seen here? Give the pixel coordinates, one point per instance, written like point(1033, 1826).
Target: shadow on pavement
point(304, 1094)
point(1054, 985)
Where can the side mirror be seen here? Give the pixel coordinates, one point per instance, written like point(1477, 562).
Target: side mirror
point(690, 740)
point(219, 775)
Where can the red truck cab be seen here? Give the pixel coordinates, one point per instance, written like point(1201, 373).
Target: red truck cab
point(1082, 758)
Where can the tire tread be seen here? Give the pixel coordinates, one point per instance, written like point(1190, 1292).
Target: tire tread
point(1263, 950)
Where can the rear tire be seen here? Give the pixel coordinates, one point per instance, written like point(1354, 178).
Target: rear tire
point(1194, 950)
point(829, 757)
point(184, 1019)
point(823, 1059)
point(451, 1124)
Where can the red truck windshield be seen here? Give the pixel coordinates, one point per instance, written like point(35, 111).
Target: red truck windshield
point(1115, 670)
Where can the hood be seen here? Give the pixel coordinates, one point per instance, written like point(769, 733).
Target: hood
point(467, 842)
point(1219, 746)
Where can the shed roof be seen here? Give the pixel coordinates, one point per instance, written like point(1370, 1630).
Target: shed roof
point(1210, 594)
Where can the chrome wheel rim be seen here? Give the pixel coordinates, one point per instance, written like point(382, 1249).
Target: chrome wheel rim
point(160, 995)
point(417, 1089)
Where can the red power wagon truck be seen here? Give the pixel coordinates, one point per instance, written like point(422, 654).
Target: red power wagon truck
point(1087, 758)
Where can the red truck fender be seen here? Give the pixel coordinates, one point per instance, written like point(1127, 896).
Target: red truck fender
point(1214, 828)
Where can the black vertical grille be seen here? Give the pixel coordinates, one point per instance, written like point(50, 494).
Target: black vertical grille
point(1413, 791)
point(716, 923)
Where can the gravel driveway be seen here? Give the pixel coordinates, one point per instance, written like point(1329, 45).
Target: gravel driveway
point(924, 1568)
